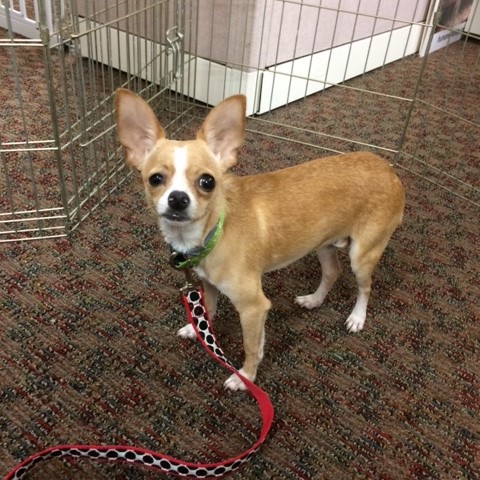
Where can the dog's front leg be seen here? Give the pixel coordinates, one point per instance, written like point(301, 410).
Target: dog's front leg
point(253, 314)
point(211, 298)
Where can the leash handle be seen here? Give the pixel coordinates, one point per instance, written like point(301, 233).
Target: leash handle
point(193, 301)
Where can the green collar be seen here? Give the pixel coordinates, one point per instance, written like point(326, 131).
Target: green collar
point(191, 259)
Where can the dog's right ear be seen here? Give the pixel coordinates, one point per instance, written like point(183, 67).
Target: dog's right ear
point(137, 126)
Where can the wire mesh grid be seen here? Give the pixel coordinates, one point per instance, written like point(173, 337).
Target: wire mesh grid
point(59, 158)
point(410, 67)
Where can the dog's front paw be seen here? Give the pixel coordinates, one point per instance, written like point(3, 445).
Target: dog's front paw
point(234, 382)
point(187, 332)
point(354, 323)
point(308, 301)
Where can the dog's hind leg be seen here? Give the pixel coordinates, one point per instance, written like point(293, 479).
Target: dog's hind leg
point(364, 258)
point(331, 270)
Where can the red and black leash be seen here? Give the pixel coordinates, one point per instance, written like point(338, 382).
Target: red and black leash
point(192, 299)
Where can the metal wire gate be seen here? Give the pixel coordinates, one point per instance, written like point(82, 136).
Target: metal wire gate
point(59, 158)
point(58, 155)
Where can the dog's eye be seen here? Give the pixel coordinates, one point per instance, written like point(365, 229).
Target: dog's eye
point(206, 182)
point(156, 179)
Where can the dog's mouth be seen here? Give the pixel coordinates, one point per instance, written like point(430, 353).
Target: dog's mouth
point(176, 217)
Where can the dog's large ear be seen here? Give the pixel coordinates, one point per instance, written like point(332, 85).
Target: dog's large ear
point(224, 129)
point(137, 126)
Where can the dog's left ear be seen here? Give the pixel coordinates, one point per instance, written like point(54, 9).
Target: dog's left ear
point(224, 129)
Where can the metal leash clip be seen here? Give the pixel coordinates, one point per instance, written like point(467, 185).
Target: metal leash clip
point(177, 261)
point(191, 284)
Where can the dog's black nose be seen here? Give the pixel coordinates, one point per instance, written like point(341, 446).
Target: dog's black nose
point(178, 200)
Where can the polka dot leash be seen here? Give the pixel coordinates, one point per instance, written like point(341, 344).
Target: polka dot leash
point(193, 301)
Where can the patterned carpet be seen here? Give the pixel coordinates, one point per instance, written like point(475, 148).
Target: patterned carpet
point(88, 352)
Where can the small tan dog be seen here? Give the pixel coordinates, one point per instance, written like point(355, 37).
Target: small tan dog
point(269, 220)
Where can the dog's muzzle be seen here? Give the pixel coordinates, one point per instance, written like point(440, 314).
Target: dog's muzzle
point(178, 203)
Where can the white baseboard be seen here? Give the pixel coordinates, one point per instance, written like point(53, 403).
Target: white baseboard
point(293, 80)
point(210, 82)
point(266, 89)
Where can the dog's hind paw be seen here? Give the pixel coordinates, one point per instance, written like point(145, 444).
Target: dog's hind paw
point(187, 332)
